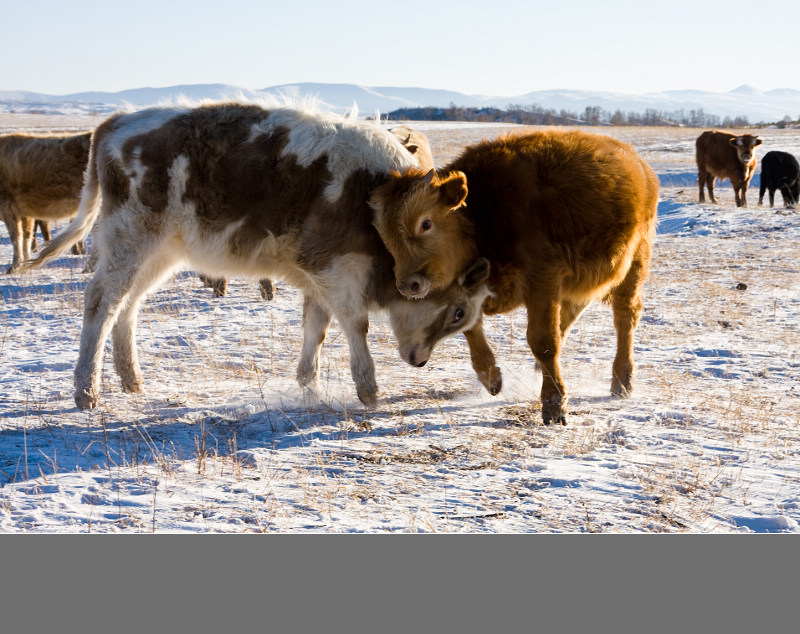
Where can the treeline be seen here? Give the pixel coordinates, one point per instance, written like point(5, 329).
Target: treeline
point(536, 115)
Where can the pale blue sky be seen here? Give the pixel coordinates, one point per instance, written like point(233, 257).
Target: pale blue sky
point(500, 47)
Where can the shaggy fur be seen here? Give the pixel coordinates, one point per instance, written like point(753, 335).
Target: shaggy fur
point(564, 218)
point(234, 189)
point(40, 178)
point(725, 155)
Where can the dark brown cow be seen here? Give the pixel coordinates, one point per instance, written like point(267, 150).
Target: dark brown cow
point(234, 189)
point(725, 155)
point(563, 218)
point(40, 178)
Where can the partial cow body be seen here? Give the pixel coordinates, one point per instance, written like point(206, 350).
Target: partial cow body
point(413, 141)
point(234, 189)
point(780, 170)
point(416, 143)
point(564, 218)
point(725, 155)
point(40, 179)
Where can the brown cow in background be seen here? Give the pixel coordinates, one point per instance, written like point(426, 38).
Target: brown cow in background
point(563, 218)
point(416, 143)
point(725, 155)
point(40, 179)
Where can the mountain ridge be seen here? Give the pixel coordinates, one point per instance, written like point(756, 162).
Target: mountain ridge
point(758, 106)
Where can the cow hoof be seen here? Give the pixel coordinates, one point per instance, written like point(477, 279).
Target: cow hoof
point(368, 396)
point(85, 399)
point(133, 386)
point(620, 389)
point(492, 381)
point(554, 411)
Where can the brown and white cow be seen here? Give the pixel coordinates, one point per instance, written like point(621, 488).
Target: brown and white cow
point(413, 141)
point(235, 189)
point(40, 178)
point(725, 155)
point(564, 218)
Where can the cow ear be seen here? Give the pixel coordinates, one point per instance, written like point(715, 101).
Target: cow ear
point(453, 190)
point(412, 149)
point(477, 273)
point(759, 141)
point(735, 141)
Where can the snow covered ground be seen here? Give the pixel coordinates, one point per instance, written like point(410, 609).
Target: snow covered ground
point(224, 440)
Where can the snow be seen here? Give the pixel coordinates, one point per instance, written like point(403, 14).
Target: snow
point(224, 440)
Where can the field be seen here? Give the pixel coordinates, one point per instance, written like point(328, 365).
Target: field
point(223, 439)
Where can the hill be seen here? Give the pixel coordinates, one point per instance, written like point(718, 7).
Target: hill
point(744, 101)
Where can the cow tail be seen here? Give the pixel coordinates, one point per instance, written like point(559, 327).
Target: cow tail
point(81, 225)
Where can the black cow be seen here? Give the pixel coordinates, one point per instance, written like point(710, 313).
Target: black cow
point(780, 170)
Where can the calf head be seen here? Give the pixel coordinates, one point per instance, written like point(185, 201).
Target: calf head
point(416, 216)
point(420, 325)
point(745, 146)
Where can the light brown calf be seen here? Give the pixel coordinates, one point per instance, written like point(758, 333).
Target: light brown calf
point(416, 143)
point(40, 179)
point(725, 155)
point(564, 218)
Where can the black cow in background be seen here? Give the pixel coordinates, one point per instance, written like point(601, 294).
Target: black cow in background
point(780, 170)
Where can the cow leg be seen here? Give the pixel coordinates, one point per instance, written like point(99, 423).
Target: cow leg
point(771, 197)
point(119, 272)
point(315, 325)
point(786, 194)
point(710, 186)
point(20, 242)
point(570, 311)
point(218, 284)
point(761, 190)
point(626, 301)
point(701, 181)
point(126, 356)
point(355, 325)
point(544, 339)
point(267, 288)
point(483, 361)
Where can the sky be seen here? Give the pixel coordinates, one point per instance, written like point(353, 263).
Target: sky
point(504, 48)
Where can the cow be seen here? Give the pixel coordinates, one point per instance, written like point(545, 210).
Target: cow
point(40, 179)
point(725, 155)
point(780, 170)
point(239, 189)
point(414, 141)
point(563, 218)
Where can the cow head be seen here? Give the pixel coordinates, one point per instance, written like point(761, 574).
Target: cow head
point(416, 216)
point(745, 146)
point(420, 325)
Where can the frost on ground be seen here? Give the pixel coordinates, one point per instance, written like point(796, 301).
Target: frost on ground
point(224, 440)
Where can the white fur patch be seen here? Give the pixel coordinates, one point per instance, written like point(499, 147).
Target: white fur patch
point(349, 144)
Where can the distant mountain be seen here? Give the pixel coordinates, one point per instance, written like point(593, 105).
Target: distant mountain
point(757, 106)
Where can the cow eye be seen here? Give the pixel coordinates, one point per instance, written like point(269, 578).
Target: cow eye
point(426, 225)
point(458, 315)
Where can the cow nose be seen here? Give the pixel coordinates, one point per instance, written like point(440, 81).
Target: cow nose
point(414, 286)
point(412, 359)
